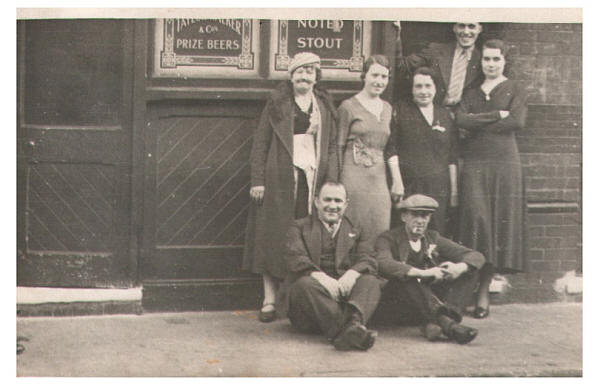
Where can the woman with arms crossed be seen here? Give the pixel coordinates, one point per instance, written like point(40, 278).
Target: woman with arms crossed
point(492, 201)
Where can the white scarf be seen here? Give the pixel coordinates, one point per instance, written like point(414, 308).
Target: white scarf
point(307, 152)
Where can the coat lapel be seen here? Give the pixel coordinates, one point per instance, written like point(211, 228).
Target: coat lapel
point(312, 238)
point(403, 245)
point(446, 62)
point(342, 245)
point(324, 141)
point(473, 67)
point(284, 128)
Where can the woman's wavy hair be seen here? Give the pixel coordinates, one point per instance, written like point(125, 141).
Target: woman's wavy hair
point(375, 59)
point(504, 50)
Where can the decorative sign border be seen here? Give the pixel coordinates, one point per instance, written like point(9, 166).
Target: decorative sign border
point(339, 69)
point(168, 64)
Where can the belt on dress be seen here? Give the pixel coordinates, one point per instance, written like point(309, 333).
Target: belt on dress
point(364, 155)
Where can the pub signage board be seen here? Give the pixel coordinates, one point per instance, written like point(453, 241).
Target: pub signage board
point(201, 48)
point(342, 45)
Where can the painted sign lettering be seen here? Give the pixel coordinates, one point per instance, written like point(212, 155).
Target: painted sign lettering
point(207, 42)
point(339, 43)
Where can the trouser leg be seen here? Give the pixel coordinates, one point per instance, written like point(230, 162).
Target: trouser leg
point(419, 298)
point(456, 294)
point(365, 296)
point(312, 308)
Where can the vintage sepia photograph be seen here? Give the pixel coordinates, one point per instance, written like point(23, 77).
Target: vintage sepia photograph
point(299, 193)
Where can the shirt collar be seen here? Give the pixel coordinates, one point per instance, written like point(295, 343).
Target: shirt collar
point(335, 227)
point(468, 51)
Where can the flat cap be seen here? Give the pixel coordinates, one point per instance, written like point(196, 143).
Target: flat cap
point(418, 203)
point(303, 58)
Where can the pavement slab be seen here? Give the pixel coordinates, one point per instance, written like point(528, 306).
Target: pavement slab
point(516, 340)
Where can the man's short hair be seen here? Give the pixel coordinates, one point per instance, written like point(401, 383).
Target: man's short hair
point(332, 184)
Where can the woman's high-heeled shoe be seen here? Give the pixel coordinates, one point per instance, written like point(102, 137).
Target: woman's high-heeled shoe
point(268, 315)
point(481, 313)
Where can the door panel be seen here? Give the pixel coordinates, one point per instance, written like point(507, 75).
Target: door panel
point(70, 207)
point(198, 189)
point(74, 151)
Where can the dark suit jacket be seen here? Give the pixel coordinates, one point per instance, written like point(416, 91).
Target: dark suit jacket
point(303, 252)
point(439, 58)
point(394, 253)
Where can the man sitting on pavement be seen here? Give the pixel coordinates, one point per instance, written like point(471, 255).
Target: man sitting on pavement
point(428, 274)
point(331, 285)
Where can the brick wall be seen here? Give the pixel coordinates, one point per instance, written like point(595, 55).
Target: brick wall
point(554, 242)
point(546, 58)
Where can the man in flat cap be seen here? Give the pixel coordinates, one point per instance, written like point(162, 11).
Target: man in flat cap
point(293, 147)
point(429, 275)
point(332, 287)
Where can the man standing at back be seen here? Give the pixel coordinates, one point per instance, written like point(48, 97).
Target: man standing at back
point(457, 64)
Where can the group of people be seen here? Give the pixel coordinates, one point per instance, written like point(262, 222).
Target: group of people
point(343, 197)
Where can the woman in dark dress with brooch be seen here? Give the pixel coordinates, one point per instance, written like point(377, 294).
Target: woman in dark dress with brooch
point(427, 147)
point(492, 199)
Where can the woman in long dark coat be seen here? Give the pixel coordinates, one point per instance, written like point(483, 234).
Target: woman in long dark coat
point(426, 142)
point(290, 158)
point(491, 189)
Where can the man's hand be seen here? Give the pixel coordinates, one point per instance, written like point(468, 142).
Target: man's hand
point(347, 281)
point(331, 285)
point(454, 270)
point(257, 193)
point(504, 114)
point(438, 274)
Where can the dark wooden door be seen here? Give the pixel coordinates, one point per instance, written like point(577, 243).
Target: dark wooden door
point(73, 153)
point(197, 183)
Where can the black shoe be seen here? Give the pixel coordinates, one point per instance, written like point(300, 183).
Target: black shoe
point(481, 313)
point(267, 316)
point(462, 334)
point(432, 331)
point(355, 336)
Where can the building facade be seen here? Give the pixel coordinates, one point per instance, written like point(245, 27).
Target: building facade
point(133, 140)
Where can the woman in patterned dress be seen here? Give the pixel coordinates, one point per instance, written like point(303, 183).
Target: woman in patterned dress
point(364, 150)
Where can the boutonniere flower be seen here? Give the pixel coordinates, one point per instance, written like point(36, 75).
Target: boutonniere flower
point(431, 252)
point(438, 127)
point(352, 235)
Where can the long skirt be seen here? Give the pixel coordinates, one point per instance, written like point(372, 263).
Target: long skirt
point(491, 218)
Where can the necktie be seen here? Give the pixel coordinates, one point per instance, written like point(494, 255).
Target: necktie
point(331, 228)
point(457, 79)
